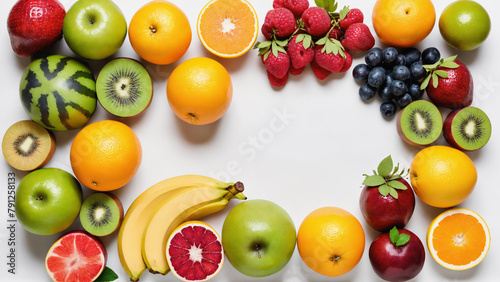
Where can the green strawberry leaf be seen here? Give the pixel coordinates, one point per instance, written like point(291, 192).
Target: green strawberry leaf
point(307, 42)
point(329, 5)
point(374, 180)
point(441, 73)
point(385, 167)
point(450, 65)
point(322, 41)
point(435, 80)
point(384, 189)
point(397, 185)
point(281, 43)
point(425, 82)
point(393, 193)
point(343, 12)
point(107, 275)
point(397, 238)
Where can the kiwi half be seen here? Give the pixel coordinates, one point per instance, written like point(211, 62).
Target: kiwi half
point(101, 214)
point(419, 123)
point(124, 87)
point(467, 129)
point(27, 146)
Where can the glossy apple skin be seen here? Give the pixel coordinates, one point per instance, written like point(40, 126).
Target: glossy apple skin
point(393, 263)
point(454, 92)
point(48, 201)
point(34, 25)
point(262, 224)
point(384, 212)
point(94, 29)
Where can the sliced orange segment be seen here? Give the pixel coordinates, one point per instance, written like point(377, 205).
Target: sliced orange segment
point(228, 28)
point(458, 239)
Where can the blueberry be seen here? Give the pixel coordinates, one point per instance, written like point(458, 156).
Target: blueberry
point(388, 109)
point(417, 72)
point(401, 72)
point(366, 92)
point(385, 94)
point(360, 73)
point(404, 100)
point(374, 57)
point(412, 55)
point(430, 56)
point(388, 80)
point(400, 60)
point(376, 77)
point(398, 88)
point(415, 91)
point(390, 55)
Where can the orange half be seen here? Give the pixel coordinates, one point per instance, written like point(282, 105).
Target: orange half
point(458, 239)
point(228, 28)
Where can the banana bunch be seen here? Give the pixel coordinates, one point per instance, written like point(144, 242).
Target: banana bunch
point(155, 213)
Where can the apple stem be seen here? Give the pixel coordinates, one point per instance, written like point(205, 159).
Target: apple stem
point(257, 247)
point(39, 198)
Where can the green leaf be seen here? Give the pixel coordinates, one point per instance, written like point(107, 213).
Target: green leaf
point(264, 44)
point(441, 73)
point(450, 65)
point(449, 59)
point(397, 185)
point(300, 37)
point(320, 3)
point(282, 43)
point(307, 41)
point(274, 49)
point(434, 80)
point(403, 239)
point(322, 41)
point(266, 55)
point(394, 235)
point(281, 49)
point(107, 275)
point(385, 167)
point(374, 180)
point(384, 190)
point(425, 82)
point(343, 12)
point(393, 193)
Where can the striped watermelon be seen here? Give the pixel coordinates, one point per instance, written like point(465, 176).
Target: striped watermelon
point(58, 92)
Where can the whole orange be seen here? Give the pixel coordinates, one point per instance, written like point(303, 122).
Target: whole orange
point(105, 155)
point(199, 91)
point(159, 32)
point(331, 241)
point(442, 176)
point(403, 23)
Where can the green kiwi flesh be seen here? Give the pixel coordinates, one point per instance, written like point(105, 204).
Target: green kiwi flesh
point(27, 145)
point(419, 123)
point(124, 87)
point(467, 129)
point(101, 214)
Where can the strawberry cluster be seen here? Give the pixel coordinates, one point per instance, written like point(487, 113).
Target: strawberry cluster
point(298, 35)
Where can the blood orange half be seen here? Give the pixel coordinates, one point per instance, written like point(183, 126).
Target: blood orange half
point(194, 251)
point(76, 256)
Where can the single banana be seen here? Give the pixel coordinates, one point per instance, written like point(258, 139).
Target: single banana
point(141, 210)
point(187, 205)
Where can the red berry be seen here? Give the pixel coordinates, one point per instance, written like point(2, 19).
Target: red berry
point(347, 61)
point(299, 55)
point(352, 17)
point(294, 71)
point(329, 61)
point(278, 4)
point(335, 33)
point(316, 21)
point(297, 6)
point(277, 82)
point(319, 72)
point(358, 37)
point(277, 66)
point(278, 21)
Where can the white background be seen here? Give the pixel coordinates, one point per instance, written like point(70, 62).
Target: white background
point(316, 158)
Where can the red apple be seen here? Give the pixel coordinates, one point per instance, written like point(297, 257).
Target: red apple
point(387, 200)
point(398, 255)
point(34, 25)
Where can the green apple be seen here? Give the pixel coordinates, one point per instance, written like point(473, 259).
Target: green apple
point(464, 24)
point(48, 201)
point(258, 237)
point(94, 29)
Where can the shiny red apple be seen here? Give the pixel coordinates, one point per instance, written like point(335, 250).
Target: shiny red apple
point(34, 25)
point(398, 255)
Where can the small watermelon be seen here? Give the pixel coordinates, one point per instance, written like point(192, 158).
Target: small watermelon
point(58, 92)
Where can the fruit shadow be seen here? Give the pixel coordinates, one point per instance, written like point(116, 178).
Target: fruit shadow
point(197, 134)
point(232, 65)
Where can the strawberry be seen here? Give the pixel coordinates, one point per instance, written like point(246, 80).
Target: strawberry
point(277, 82)
point(316, 21)
point(358, 37)
point(279, 22)
point(329, 54)
point(297, 6)
point(352, 17)
point(319, 72)
point(335, 33)
point(278, 4)
point(347, 62)
point(277, 65)
point(294, 71)
point(300, 50)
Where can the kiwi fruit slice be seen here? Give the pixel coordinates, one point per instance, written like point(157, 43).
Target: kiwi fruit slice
point(124, 87)
point(419, 123)
point(27, 146)
point(101, 214)
point(467, 129)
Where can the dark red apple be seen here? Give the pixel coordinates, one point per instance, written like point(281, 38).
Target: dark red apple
point(386, 200)
point(34, 25)
point(454, 91)
point(398, 255)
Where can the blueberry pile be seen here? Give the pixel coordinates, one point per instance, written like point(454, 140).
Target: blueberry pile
point(395, 76)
